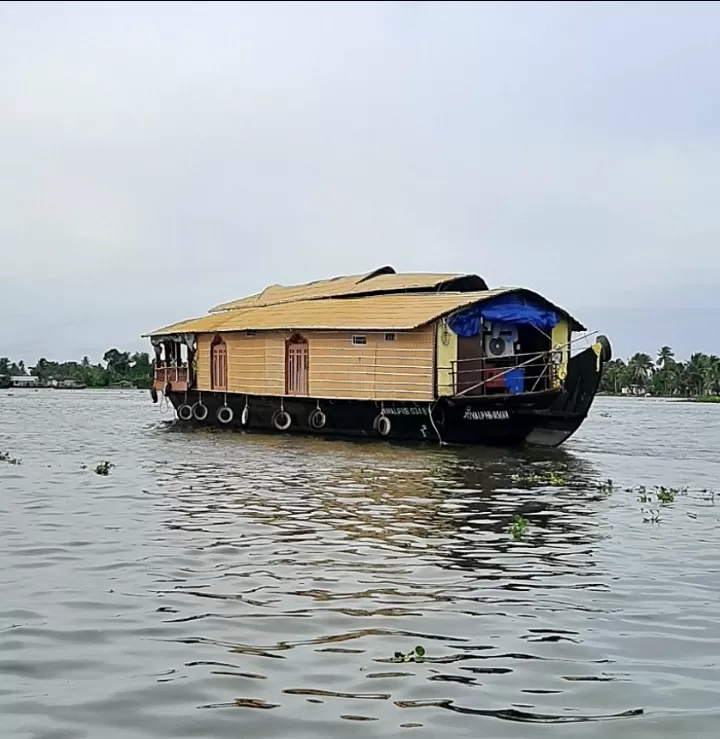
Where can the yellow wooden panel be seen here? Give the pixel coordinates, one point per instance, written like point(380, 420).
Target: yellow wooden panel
point(256, 364)
point(561, 338)
point(402, 369)
point(202, 361)
point(447, 344)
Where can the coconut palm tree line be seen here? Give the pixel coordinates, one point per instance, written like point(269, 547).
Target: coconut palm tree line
point(135, 368)
point(664, 376)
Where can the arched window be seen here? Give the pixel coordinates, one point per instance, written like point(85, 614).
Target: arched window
point(296, 366)
point(218, 364)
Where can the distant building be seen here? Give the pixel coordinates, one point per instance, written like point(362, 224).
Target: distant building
point(68, 385)
point(24, 381)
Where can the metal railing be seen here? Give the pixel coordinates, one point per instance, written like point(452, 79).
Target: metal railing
point(544, 369)
point(488, 376)
point(172, 374)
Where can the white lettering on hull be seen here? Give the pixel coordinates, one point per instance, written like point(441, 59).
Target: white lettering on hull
point(471, 415)
point(406, 411)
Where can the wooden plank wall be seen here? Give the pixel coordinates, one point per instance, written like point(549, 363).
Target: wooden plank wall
point(379, 370)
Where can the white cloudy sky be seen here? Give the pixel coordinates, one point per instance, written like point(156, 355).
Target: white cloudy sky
point(158, 158)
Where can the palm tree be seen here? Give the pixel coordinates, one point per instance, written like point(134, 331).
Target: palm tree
point(40, 370)
point(614, 376)
point(696, 373)
point(712, 374)
point(664, 377)
point(680, 379)
point(640, 369)
point(665, 357)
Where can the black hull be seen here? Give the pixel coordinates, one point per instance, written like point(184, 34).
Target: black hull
point(542, 419)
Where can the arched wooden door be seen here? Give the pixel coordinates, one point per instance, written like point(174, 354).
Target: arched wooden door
point(218, 364)
point(296, 366)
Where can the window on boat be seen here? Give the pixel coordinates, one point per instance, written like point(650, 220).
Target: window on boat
point(218, 364)
point(296, 366)
point(390, 337)
point(359, 340)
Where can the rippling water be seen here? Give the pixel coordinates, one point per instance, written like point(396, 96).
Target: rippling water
point(219, 585)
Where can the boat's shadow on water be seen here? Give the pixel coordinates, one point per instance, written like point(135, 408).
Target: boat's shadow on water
point(356, 525)
point(462, 499)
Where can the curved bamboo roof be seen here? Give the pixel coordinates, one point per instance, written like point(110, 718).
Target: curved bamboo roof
point(377, 301)
point(382, 280)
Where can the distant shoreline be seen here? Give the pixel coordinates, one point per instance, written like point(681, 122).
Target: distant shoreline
point(711, 399)
point(22, 389)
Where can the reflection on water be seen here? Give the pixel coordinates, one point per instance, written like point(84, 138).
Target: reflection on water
point(212, 574)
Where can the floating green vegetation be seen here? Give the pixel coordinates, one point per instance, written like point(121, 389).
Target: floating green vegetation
point(553, 478)
point(104, 468)
point(606, 486)
point(658, 497)
point(518, 526)
point(7, 457)
point(414, 655)
point(665, 495)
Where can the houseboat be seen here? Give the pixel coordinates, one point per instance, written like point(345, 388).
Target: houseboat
point(438, 357)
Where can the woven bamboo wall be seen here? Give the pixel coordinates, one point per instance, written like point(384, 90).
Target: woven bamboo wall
point(256, 364)
point(378, 370)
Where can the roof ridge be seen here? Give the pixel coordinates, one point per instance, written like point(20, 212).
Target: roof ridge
point(379, 312)
point(384, 280)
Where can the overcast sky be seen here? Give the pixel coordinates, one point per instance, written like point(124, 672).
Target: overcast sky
point(159, 158)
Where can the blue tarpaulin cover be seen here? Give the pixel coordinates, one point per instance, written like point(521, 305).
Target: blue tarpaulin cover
point(504, 309)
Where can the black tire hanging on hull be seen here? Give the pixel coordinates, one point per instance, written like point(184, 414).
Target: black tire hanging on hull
point(184, 412)
point(546, 418)
point(200, 411)
point(281, 420)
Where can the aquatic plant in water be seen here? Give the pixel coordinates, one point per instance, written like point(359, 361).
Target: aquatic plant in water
point(606, 486)
point(104, 468)
point(518, 526)
point(666, 495)
point(553, 478)
point(414, 655)
point(556, 479)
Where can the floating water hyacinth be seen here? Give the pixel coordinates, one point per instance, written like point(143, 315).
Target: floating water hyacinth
point(414, 655)
point(518, 526)
point(7, 457)
point(104, 468)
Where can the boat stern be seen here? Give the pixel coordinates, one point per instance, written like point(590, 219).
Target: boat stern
point(566, 414)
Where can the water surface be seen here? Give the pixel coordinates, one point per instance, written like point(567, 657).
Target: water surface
point(224, 585)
